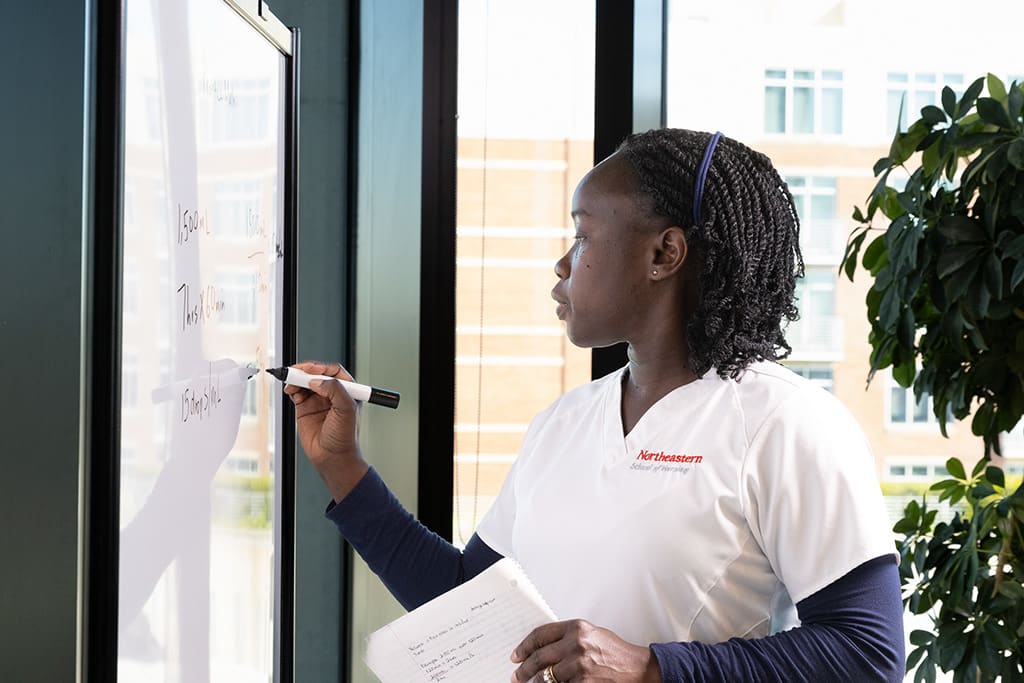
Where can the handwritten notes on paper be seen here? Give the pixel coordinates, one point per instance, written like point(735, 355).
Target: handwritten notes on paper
point(463, 636)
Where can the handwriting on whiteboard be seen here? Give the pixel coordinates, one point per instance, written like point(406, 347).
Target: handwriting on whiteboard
point(201, 309)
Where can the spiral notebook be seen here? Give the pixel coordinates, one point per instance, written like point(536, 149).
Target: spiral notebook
point(463, 636)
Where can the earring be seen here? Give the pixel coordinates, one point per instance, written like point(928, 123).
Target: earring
point(654, 272)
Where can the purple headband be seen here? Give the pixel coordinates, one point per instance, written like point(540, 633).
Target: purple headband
point(702, 174)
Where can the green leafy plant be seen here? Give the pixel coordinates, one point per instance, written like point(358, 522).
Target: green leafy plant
point(970, 571)
point(947, 315)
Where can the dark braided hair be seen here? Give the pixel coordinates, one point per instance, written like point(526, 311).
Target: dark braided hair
point(747, 242)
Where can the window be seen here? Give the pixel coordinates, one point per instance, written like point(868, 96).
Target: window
point(915, 468)
point(525, 138)
point(236, 209)
point(243, 464)
point(914, 91)
point(905, 410)
point(803, 101)
point(821, 235)
point(237, 291)
point(817, 335)
point(820, 375)
point(236, 110)
point(249, 405)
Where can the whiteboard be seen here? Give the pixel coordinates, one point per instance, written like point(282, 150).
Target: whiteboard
point(207, 99)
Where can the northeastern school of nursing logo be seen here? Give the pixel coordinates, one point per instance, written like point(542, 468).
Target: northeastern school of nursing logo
point(660, 461)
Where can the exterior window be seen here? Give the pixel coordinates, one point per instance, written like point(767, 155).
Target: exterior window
point(525, 138)
point(249, 407)
point(247, 116)
point(236, 209)
point(914, 91)
point(821, 238)
point(905, 410)
point(238, 292)
point(915, 468)
point(241, 464)
point(803, 101)
point(817, 335)
point(818, 374)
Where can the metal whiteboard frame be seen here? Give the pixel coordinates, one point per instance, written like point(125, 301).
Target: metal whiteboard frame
point(259, 16)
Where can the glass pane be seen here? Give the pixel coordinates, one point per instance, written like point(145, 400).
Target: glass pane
point(923, 98)
point(898, 470)
point(922, 409)
point(774, 73)
point(803, 75)
point(525, 138)
point(919, 470)
point(821, 303)
point(832, 111)
point(823, 207)
point(803, 110)
point(774, 109)
point(897, 77)
point(898, 404)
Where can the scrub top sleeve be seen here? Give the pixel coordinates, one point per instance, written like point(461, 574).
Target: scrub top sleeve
point(497, 527)
point(811, 495)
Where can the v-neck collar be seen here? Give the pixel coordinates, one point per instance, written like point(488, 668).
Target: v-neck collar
point(619, 445)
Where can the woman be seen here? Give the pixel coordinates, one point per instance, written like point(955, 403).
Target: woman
point(703, 514)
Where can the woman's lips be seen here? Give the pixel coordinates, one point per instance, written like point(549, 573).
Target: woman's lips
point(560, 310)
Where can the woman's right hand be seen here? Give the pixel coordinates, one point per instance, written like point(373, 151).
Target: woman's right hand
point(327, 420)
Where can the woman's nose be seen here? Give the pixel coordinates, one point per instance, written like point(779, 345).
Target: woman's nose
point(562, 266)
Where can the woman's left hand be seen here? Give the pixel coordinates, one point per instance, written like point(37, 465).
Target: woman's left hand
point(580, 652)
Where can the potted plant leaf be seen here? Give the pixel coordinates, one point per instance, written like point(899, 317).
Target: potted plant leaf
point(947, 315)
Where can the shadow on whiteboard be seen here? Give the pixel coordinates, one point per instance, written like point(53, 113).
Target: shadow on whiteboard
point(172, 526)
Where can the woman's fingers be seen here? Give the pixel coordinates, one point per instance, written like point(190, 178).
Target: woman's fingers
point(578, 650)
point(543, 647)
point(315, 367)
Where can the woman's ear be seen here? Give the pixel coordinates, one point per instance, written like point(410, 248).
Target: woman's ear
point(670, 252)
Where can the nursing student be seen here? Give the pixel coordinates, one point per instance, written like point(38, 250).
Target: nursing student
point(701, 514)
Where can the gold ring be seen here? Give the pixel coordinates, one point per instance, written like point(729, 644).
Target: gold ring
point(549, 675)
